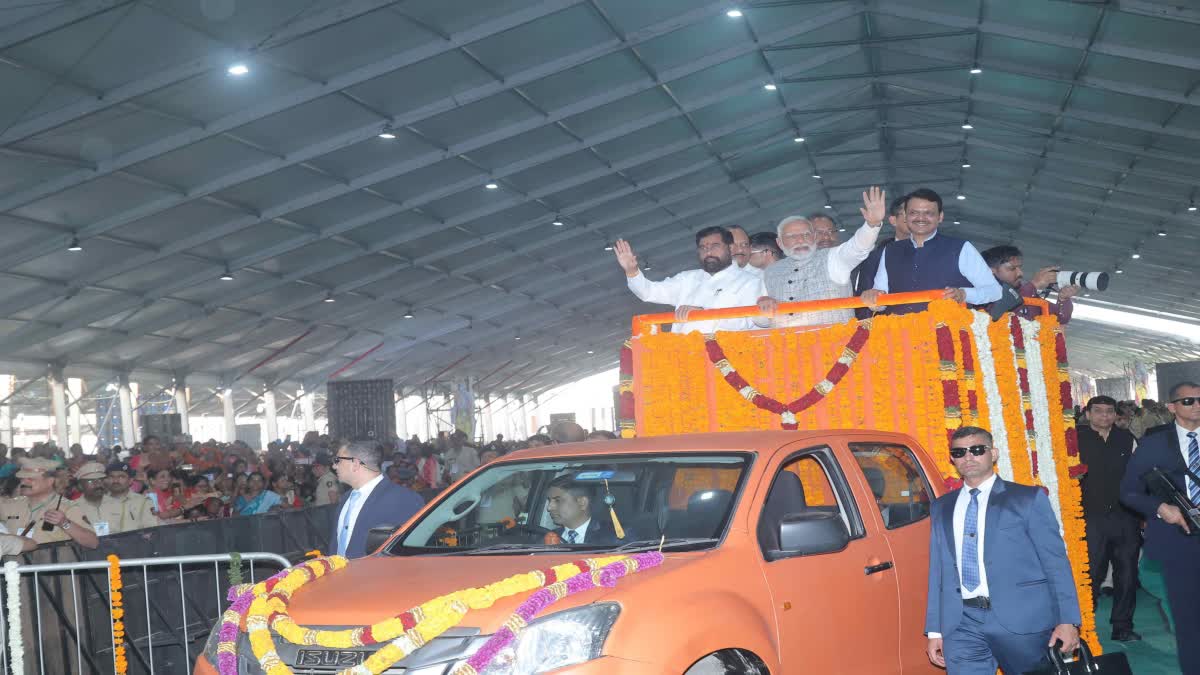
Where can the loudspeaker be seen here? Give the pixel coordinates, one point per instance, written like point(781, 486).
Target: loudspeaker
point(361, 410)
point(166, 426)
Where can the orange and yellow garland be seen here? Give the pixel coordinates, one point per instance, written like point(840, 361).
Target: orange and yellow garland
point(116, 599)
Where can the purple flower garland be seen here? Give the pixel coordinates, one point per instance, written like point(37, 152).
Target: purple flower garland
point(606, 576)
point(227, 663)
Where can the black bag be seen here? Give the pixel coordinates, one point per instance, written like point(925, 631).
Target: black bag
point(1114, 663)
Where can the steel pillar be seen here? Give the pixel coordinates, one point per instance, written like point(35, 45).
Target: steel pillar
point(270, 419)
point(181, 406)
point(75, 411)
point(128, 430)
point(230, 419)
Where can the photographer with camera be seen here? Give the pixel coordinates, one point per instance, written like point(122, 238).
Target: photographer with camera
point(1005, 263)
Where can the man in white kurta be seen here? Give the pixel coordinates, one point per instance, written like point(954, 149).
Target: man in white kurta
point(717, 284)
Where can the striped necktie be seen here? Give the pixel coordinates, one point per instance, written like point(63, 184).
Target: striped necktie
point(1194, 465)
point(344, 530)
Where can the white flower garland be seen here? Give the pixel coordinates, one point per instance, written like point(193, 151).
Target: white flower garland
point(987, 371)
point(1043, 438)
point(16, 643)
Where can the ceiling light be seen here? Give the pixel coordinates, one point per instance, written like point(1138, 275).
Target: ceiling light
point(557, 223)
point(1136, 256)
point(1161, 233)
point(967, 125)
point(829, 206)
point(770, 86)
point(960, 197)
point(1119, 271)
point(976, 70)
point(74, 245)
point(1191, 207)
point(226, 276)
point(798, 139)
point(966, 165)
point(408, 313)
point(591, 352)
point(238, 69)
point(841, 229)
point(817, 176)
point(329, 298)
point(491, 186)
point(958, 222)
point(608, 247)
point(387, 136)
point(516, 337)
point(733, 14)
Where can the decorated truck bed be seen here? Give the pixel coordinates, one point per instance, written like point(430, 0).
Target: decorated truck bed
point(923, 374)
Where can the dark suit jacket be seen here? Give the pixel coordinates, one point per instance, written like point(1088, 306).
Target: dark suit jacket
point(600, 531)
point(1159, 448)
point(388, 504)
point(1029, 576)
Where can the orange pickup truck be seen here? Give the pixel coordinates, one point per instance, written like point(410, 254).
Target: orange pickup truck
point(785, 552)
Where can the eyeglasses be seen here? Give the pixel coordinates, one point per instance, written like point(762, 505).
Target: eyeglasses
point(711, 247)
point(339, 458)
point(1187, 400)
point(976, 450)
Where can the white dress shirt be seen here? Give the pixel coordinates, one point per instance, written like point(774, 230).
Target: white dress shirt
point(960, 521)
point(1183, 450)
point(848, 255)
point(363, 493)
point(970, 264)
point(580, 532)
point(731, 287)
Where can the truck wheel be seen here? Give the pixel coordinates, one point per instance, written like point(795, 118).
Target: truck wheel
point(729, 662)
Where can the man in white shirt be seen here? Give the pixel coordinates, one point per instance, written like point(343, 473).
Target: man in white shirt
point(1000, 583)
point(740, 249)
point(811, 272)
point(719, 283)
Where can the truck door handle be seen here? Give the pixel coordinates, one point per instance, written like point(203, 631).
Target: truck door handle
point(872, 569)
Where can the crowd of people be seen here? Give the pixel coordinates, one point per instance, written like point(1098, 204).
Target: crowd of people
point(48, 495)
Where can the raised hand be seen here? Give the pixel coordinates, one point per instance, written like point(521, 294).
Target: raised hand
point(874, 208)
point(626, 258)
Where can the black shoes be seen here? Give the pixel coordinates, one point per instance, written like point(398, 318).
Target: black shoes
point(1126, 635)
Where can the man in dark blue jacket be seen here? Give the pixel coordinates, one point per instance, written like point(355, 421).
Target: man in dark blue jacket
point(372, 501)
point(1169, 539)
point(930, 260)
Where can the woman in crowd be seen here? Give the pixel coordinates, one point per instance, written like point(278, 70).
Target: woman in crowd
point(164, 494)
point(281, 484)
point(257, 499)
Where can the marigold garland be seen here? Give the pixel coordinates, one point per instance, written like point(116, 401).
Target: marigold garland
point(264, 607)
point(787, 411)
point(544, 598)
point(1007, 379)
point(117, 602)
point(1018, 335)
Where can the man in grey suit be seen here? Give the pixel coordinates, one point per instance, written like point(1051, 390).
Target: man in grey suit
point(1000, 584)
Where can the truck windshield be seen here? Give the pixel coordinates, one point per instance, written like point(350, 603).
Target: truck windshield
point(586, 503)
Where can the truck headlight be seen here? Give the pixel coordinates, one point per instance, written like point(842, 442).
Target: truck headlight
point(560, 639)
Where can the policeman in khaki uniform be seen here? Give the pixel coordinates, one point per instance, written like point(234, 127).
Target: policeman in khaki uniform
point(38, 505)
point(329, 490)
point(120, 510)
point(109, 514)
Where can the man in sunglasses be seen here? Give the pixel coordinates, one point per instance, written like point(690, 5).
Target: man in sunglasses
point(372, 501)
point(1169, 539)
point(1000, 585)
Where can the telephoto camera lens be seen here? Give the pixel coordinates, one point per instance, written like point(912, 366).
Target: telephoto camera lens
point(1092, 281)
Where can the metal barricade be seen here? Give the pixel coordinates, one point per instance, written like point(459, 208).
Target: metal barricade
point(170, 608)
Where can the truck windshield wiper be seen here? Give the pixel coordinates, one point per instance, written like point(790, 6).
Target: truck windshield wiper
point(507, 548)
point(669, 543)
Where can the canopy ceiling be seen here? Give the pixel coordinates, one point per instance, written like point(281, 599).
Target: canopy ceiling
point(123, 129)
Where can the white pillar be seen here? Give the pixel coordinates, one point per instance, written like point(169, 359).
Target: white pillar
point(75, 411)
point(58, 407)
point(230, 420)
point(489, 429)
point(128, 430)
point(401, 417)
point(135, 414)
point(181, 406)
point(270, 421)
point(306, 411)
point(6, 427)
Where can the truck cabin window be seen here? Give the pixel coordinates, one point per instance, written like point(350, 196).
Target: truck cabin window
point(682, 501)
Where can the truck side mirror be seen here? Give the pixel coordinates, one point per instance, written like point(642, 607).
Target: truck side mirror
point(377, 535)
point(811, 533)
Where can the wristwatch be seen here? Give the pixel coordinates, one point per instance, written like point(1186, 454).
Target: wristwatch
point(66, 525)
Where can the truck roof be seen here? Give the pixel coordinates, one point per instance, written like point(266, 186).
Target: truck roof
point(708, 442)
